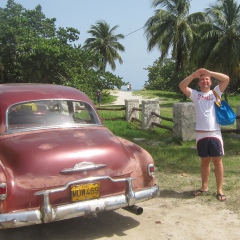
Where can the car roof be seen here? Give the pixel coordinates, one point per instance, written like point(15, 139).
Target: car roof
point(19, 92)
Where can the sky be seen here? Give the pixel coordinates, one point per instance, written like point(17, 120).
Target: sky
point(129, 15)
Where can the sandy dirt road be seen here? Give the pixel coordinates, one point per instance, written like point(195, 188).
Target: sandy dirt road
point(124, 95)
point(167, 218)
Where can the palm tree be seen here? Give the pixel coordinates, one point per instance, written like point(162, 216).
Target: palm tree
point(221, 38)
point(172, 28)
point(104, 41)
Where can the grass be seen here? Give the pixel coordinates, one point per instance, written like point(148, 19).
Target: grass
point(177, 161)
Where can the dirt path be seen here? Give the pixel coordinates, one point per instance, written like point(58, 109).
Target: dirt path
point(165, 218)
point(124, 95)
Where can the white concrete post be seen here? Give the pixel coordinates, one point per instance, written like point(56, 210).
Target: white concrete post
point(149, 106)
point(184, 121)
point(130, 105)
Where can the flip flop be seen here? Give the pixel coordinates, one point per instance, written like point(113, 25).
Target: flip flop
point(199, 192)
point(221, 197)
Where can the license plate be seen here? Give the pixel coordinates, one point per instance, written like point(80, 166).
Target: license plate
point(86, 191)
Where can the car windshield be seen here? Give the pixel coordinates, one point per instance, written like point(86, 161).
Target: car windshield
point(50, 113)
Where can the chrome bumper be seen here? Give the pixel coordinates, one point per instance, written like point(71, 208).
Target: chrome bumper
point(47, 213)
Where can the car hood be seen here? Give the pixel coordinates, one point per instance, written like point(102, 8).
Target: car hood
point(39, 159)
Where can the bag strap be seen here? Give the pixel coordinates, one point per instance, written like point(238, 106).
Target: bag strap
point(217, 98)
point(216, 95)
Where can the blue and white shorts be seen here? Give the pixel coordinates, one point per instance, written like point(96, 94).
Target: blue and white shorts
point(209, 144)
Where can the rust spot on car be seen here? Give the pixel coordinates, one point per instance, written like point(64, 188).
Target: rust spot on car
point(101, 173)
point(79, 134)
point(46, 146)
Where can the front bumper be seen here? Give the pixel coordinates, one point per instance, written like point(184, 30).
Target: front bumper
point(47, 213)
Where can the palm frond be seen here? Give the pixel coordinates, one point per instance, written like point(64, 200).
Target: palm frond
point(105, 42)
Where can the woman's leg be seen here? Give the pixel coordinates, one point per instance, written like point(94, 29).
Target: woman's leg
point(219, 171)
point(205, 172)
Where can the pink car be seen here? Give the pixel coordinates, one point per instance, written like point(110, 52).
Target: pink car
point(58, 160)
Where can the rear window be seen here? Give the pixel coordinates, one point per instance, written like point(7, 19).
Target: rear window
point(50, 113)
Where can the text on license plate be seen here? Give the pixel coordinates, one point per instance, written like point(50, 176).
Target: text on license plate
point(86, 191)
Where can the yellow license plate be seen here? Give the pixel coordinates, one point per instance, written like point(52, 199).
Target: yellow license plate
point(86, 191)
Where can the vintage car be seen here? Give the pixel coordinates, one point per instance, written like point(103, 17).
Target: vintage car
point(58, 160)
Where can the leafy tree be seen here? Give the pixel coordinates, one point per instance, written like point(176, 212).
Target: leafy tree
point(104, 41)
point(173, 29)
point(20, 30)
point(221, 40)
point(161, 76)
point(33, 50)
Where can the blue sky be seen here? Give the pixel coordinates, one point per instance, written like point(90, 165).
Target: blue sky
point(129, 15)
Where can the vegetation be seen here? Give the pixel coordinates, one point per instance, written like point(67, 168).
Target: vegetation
point(221, 40)
point(104, 41)
point(210, 39)
point(177, 162)
point(160, 76)
point(221, 37)
point(33, 50)
point(172, 28)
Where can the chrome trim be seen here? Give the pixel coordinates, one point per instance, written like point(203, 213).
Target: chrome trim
point(83, 166)
point(47, 213)
point(21, 130)
point(89, 179)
